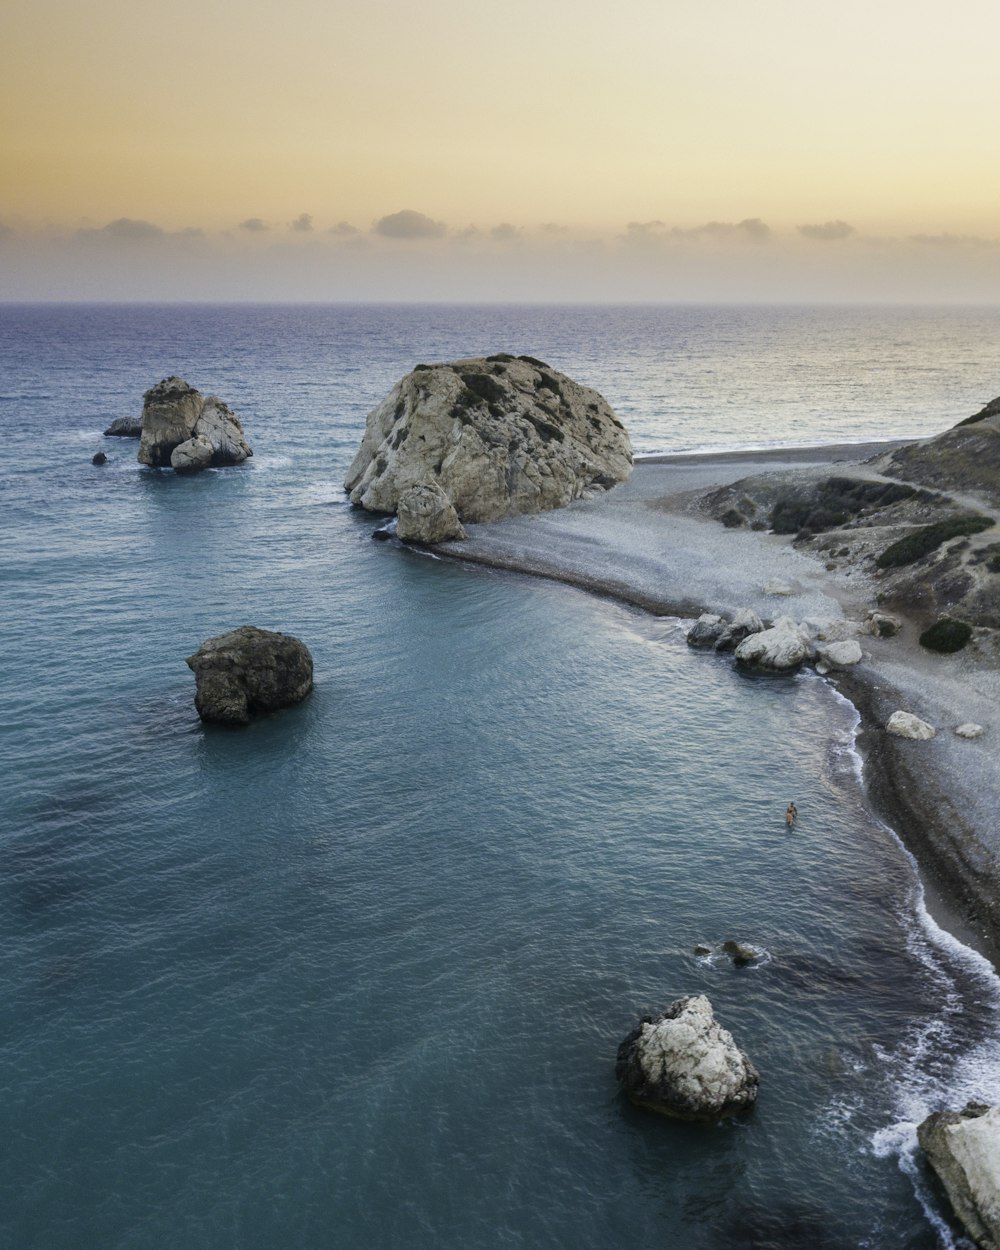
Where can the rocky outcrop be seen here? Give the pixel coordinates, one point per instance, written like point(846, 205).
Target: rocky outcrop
point(99, 458)
point(907, 725)
point(684, 1064)
point(124, 427)
point(179, 424)
point(426, 515)
point(963, 1148)
point(707, 630)
point(779, 649)
point(249, 671)
point(500, 436)
point(964, 458)
point(744, 623)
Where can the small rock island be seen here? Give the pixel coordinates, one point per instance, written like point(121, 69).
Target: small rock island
point(186, 431)
point(481, 439)
point(247, 672)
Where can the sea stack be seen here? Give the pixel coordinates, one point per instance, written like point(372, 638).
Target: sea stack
point(247, 672)
point(184, 430)
point(682, 1063)
point(497, 436)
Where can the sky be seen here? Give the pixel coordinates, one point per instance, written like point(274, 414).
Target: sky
point(654, 150)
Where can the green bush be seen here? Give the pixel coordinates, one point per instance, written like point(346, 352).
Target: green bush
point(927, 538)
point(946, 636)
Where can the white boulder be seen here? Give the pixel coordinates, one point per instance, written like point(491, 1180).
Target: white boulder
point(963, 1148)
point(706, 630)
point(836, 655)
point(906, 725)
point(779, 649)
point(969, 730)
point(684, 1064)
point(427, 516)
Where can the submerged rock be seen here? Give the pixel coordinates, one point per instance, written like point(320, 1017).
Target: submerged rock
point(684, 1064)
point(249, 671)
point(124, 427)
point(99, 458)
point(179, 424)
point(906, 725)
point(500, 436)
point(963, 1148)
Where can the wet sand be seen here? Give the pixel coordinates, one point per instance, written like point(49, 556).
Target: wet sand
point(649, 544)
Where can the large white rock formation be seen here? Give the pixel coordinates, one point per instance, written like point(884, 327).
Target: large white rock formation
point(963, 1148)
point(500, 435)
point(779, 649)
point(187, 431)
point(684, 1064)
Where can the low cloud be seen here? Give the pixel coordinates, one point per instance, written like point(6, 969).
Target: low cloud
point(505, 232)
point(302, 224)
point(128, 229)
point(254, 225)
point(409, 224)
point(553, 227)
point(344, 228)
point(953, 240)
point(827, 231)
point(5, 231)
point(748, 228)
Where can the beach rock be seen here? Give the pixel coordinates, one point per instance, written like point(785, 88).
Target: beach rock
point(779, 649)
point(906, 725)
point(744, 623)
point(882, 624)
point(500, 436)
point(175, 414)
point(99, 458)
point(706, 630)
point(838, 655)
point(426, 516)
point(684, 1064)
point(124, 427)
point(963, 1148)
point(969, 730)
point(249, 671)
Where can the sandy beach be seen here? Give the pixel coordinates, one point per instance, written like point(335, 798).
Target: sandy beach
point(650, 543)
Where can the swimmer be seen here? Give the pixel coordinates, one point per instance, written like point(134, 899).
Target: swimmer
point(791, 814)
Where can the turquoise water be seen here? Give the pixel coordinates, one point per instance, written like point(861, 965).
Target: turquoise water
point(357, 974)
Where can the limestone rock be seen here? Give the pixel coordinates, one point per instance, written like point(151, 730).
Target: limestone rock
point(174, 414)
point(837, 655)
point(779, 649)
point(684, 1064)
point(124, 427)
point(249, 671)
point(744, 623)
point(963, 1148)
point(192, 455)
point(906, 725)
point(500, 435)
point(706, 630)
point(882, 624)
point(969, 730)
point(426, 515)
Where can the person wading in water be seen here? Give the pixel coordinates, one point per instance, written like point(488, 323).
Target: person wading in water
point(791, 814)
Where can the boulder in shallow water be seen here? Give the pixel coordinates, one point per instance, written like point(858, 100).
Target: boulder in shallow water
point(707, 630)
point(175, 414)
point(124, 427)
point(684, 1064)
point(963, 1148)
point(191, 456)
point(779, 649)
point(99, 458)
point(249, 671)
point(426, 516)
point(744, 623)
point(500, 435)
point(907, 725)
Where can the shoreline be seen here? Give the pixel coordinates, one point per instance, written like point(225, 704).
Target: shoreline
point(647, 544)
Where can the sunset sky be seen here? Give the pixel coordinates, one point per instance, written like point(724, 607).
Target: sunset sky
point(650, 149)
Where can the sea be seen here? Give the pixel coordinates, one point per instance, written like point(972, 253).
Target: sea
point(355, 976)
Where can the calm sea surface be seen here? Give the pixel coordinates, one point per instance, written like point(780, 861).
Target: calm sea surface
point(355, 976)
